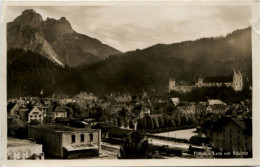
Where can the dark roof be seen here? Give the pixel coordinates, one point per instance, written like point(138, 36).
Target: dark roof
point(64, 119)
point(243, 123)
point(105, 125)
point(10, 106)
point(59, 109)
point(120, 131)
point(218, 79)
point(60, 128)
point(156, 112)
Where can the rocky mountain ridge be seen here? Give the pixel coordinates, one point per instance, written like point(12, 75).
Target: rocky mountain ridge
point(55, 40)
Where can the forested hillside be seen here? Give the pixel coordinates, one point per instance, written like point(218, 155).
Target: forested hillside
point(28, 73)
point(148, 69)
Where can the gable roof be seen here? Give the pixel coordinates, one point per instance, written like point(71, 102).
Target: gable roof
point(124, 99)
point(218, 79)
point(120, 131)
point(39, 103)
point(105, 125)
point(59, 109)
point(245, 124)
point(10, 106)
point(215, 101)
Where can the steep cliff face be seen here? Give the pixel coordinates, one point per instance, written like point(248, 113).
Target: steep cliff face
point(55, 39)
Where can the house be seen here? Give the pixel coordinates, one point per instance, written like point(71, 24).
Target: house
point(63, 120)
point(105, 127)
point(40, 105)
point(124, 99)
point(175, 101)
point(218, 109)
point(215, 102)
point(232, 134)
point(59, 112)
point(119, 134)
point(140, 110)
point(36, 114)
point(20, 149)
point(67, 142)
point(13, 109)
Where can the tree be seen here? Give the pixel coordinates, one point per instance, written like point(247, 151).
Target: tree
point(150, 123)
point(14, 124)
point(144, 121)
point(140, 125)
point(35, 122)
point(160, 122)
point(136, 148)
point(47, 120)
point(119, 122)
point(156, 124)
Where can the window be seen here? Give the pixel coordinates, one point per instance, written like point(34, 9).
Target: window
point(238, 131)
point(90, 137)
point(19, 155)
point(245, 138)
point(82, 137)
point(27, 154)
point(73, 138)
point(223, 141)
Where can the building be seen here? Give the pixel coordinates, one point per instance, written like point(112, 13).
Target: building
point(13, 109)
point(119, 134)
point(179, 88)
point(232, 134)
point(105, 127)
point(59, 112)
point(36, 114)
point(235, 81)
point(20, 149)
point(40, 105)
point(67, 142)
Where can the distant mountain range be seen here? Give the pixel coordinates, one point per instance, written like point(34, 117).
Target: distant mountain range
point(55, 39)
point(148, 69)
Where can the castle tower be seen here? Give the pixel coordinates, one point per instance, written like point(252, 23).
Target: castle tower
point(237, 81)
point(171, 84)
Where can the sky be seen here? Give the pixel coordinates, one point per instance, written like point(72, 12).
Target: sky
point(129, 28)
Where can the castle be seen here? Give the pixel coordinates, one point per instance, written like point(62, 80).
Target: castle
point(235, 81)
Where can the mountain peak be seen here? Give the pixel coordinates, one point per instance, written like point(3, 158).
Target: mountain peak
point(28, 11)
point(55, 39)
point(29, 18)
point(63, 19)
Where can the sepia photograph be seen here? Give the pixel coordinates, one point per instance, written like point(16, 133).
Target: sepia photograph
point(130, 81)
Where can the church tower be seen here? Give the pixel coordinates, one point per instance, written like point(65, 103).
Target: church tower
point(171, 84)
point(237, 81)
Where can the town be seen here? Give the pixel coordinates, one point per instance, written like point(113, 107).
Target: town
point(128, 126)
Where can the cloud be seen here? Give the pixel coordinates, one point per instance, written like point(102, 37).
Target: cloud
point(131, 27)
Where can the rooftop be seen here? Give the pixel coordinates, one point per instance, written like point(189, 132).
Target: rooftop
point(14, 142)
point(218, 79)
point(120, 131)
point(61, 128)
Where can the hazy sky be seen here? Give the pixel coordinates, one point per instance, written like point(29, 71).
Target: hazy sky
point(130, 27)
